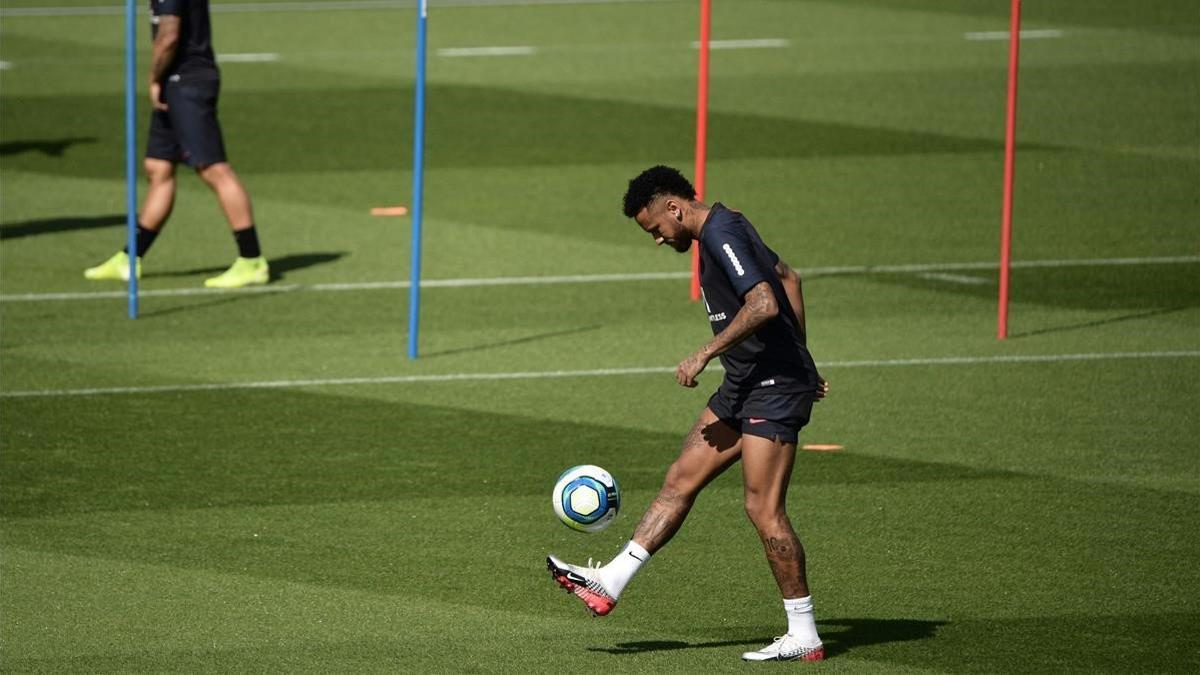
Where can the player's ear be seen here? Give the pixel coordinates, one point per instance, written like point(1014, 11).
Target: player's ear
point(675, 210)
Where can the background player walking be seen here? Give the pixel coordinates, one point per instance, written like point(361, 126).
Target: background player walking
point(756, 308)
point(184, 87)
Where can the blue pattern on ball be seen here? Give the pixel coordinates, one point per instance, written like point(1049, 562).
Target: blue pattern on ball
point(601, 491)
point(588, 484)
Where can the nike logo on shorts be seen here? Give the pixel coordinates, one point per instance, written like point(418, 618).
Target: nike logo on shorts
point(756, 420)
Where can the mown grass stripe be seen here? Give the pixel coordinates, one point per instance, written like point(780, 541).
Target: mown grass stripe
point(590, 278)
point(595, 372)
point(307, 6)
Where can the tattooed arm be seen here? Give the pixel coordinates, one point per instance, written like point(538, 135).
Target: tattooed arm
point(166, 43)
point(760, 308)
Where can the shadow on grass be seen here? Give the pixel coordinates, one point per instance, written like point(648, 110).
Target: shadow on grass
point(509, 343)
point(290, 263)
point(1082, 643)
point(1156, 642)
point(843, 635)
point(469, 126)
point(1102, 322)
point(32, 228)
point(279, 266)
point(1152, 289)
point(56, 147)
point(839, 636)
point(644, 646)
point(207, 302)
point(297, 446)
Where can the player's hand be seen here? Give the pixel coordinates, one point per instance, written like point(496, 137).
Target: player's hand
point(822, 388)
point(156, 96)
point(689, 369)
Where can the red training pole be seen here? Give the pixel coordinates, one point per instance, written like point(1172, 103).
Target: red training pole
point(701, 129)
point(1010, 156)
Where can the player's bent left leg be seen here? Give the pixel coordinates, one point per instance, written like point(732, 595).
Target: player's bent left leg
point(710, 448)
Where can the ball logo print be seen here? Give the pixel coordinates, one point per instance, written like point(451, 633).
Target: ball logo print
point(586, 498)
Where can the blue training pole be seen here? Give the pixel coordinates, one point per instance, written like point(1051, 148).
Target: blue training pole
point(131, 151)
point(414, 289)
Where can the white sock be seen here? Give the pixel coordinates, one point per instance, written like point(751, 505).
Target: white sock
point(617, 573)
point(800, 619)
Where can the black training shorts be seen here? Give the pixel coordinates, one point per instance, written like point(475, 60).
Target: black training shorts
point(764, 413)
point(188, 130)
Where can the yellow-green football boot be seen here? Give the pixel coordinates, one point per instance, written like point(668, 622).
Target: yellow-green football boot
point(243, 272)
point(115, 268)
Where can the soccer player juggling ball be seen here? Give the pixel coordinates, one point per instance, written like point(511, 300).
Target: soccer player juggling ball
point(184, 86)
point(756, 308)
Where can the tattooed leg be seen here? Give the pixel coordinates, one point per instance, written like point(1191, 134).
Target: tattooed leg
point(767, 468)
point(785, 554)
point(709, 448)
point(663, 519)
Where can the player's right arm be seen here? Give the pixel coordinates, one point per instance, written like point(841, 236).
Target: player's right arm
point(790, 279)
point(795, 292)
point(166, 43)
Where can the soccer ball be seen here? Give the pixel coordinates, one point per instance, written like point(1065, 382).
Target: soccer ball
point(586, 498)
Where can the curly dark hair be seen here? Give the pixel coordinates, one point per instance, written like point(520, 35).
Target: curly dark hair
point(654, 182)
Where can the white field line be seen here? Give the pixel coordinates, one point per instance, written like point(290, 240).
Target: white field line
point(264, 57)
point(762, 43)
point(451, 52)
point(598, 372)
point(591, 278)
point(5, 65)
point(985, 36)
point(954, 278)
point(306, 6)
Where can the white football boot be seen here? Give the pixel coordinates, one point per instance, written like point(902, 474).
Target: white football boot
point(787, 648)
point(584, 582)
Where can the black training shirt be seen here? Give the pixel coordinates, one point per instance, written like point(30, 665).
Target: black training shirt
point(194, 58)
point(734, 259)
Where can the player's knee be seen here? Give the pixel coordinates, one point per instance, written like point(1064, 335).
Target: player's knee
point(158, 170)
point(682, 481)
point(216, 175)
point(766, 514)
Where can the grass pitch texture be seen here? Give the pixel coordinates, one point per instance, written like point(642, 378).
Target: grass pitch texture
point(986, 515)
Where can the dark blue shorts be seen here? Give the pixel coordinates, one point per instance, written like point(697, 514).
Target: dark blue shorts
point(764, 413)
point(188, 130)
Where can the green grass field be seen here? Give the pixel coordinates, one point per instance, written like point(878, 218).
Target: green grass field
point(1027, 505)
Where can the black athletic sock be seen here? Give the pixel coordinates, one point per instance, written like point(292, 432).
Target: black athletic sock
point(144, 239)
point(247, 242)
